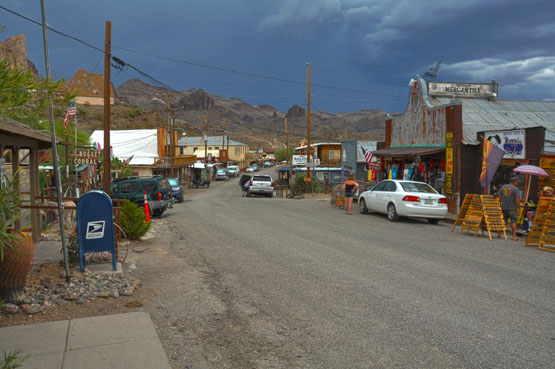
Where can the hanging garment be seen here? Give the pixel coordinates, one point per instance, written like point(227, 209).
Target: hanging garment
point(405, 174)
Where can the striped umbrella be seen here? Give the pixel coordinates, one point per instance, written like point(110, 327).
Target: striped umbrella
point(529, 170)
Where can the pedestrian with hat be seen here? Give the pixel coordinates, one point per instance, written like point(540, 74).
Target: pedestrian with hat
point(509, 197)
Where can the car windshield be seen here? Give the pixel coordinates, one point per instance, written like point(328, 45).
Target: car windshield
point(232, 167)
point(417, 187)
point(221, 171)
point(173, 181)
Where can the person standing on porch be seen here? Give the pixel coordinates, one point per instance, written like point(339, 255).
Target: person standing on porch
point(509, 197)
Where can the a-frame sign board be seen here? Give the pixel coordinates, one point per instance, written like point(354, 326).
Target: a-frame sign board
point(463, 210)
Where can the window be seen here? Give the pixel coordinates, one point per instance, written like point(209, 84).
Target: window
point(390, 186)
point(149, 185)
point(195, 149)
point(129, 187)
point(379, 187)
point(114, 187)
point(237, 150)
point(334, 154)
point(417, 187)
point(181, 151)
point(216, 148)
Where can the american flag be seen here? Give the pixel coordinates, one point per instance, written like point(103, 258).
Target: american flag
point(128, 160)
point(71, 112)
point(368, 157)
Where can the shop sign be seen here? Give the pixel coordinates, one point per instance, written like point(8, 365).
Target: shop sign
point(85, 157)
point(449, 163)
point(512, 142)
point(299, 159)
point(451, 89)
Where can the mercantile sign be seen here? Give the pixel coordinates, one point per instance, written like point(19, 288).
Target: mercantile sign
point(451, 89)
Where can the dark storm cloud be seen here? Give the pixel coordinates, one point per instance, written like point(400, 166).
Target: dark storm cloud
point(372, 45)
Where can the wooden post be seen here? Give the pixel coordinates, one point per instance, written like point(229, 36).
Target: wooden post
point(308, 148)
point(107, 163)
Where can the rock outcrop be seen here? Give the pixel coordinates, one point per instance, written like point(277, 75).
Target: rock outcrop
point(15, 50)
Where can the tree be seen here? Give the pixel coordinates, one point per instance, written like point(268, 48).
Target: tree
point(280, 154)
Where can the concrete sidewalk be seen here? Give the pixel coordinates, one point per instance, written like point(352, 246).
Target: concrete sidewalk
point(111, 341)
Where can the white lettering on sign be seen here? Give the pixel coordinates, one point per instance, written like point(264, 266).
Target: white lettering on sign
point(95, 229)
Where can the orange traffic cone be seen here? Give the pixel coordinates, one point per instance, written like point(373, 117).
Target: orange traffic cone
point(147, 210)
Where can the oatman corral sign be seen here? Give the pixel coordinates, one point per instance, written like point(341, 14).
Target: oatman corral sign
point(86, 157)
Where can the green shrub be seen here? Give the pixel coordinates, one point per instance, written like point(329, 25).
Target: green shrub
point(134, 113)
point(299, 185)
point(12, 360)
point(133, 220)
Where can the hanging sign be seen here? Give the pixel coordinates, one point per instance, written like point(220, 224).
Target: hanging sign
point(449, 163)
point(512, 142)
point(454, 89)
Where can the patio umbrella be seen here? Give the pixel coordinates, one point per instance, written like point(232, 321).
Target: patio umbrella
point(530, 170)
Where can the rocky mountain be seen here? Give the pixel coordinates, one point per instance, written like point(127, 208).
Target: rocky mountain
point(15, 50)
point(259, 126)
point(141, 105)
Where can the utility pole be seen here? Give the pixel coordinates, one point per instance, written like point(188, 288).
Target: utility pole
point(171, 126)
point(308, 148)
point(223, 140)
point(107, 159)
point(205, 140)
point(286, 142)
point(54, 148)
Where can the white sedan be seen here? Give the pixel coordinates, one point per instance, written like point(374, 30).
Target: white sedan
point(398, 198)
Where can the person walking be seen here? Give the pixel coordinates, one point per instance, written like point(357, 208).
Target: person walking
point(509, 197)
point(350, 186)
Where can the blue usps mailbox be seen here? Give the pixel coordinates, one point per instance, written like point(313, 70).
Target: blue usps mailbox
point(95, 225)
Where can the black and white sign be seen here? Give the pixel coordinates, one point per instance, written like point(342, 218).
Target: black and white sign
point(451, 89)
point(95, 229)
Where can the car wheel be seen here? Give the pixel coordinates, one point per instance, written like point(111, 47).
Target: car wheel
point(362, 206)
point(270, 195)
point(433, 221)
point(180, 200)
point(206, 185)
point(392, 213)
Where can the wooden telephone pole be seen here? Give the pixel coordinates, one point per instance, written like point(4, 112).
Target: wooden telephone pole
point(286, 142)
point(205, 140)
point(223, 140)
point(171, 125)
point(308, 148)
point(107, 163)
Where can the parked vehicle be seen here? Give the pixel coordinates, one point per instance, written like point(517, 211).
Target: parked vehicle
point(251, 169)
point(221, 175)
point(256, 167)
point(261, 184)
point(200, 176)
point(267, 164)
point(233, 170)
point(158, 192)
point(177, 189)
point(398, 198)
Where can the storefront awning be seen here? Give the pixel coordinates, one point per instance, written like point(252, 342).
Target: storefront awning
point(408, 152)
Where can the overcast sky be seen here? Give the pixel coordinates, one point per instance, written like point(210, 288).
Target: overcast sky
point(371, 46)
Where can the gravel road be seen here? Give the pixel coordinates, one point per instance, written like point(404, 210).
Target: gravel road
point(236, 282)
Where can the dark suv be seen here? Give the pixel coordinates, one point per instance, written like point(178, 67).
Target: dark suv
point(158, 192)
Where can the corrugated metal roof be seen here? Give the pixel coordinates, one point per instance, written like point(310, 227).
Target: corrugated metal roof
point(481, 115)
point(212, 141)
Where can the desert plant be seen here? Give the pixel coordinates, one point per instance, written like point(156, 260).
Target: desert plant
point(10, 203)
point(12, 360)
point(16, 248)
point(134, 113)
point(133, 220)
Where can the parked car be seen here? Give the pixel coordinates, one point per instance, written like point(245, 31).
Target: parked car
point(158, 192)
point(221, 175)
point(261, 184)
point(233, 170)
point(398, 198)
point(251, 169)
point(256, 167)
point(177, 189)
point(267, 164)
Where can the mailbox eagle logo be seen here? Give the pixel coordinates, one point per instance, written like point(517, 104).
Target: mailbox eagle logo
point(95, 229)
